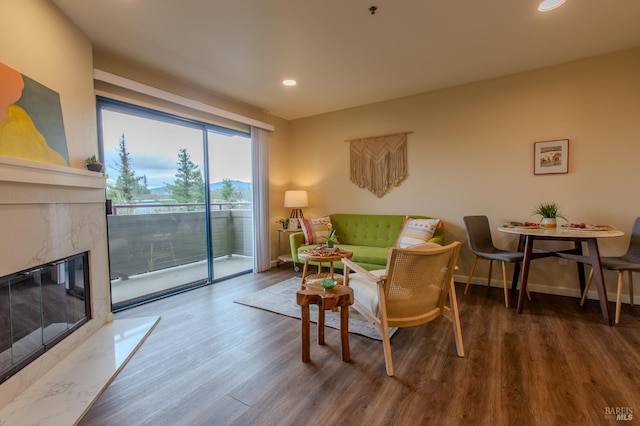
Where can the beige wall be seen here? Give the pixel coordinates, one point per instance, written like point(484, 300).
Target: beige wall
point(471, 152)
point(40, 42)
point(106, 62)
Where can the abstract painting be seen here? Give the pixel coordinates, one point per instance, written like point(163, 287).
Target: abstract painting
point(31, 125)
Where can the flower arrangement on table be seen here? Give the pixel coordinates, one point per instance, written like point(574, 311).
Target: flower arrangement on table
point(331, 238)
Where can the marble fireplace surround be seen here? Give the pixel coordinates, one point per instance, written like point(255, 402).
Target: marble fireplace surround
point(49, 212)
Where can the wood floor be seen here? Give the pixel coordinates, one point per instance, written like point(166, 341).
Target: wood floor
point(214, 362)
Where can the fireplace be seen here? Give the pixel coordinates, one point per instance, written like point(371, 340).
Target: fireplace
point(39, 307)
point(49, 213)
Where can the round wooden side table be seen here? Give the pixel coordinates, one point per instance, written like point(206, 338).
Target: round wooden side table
point(313, 294)
point(323, 255)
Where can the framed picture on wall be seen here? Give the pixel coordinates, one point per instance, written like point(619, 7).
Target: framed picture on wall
point(551, 157)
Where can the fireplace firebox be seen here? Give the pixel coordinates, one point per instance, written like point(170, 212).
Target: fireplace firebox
point(39, 307)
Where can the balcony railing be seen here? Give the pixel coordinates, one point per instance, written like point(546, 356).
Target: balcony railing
point(154, 207)
point(149, 237)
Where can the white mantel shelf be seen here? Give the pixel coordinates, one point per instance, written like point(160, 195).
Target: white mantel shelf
point(17, 170)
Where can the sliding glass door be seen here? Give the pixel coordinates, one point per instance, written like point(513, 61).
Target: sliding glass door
point(230, 189)
point(179, 213)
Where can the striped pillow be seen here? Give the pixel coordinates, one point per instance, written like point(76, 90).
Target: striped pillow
point(416, 231)
point(316, 231)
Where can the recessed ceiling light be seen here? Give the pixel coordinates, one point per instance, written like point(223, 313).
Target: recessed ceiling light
point(547, 5)
point(289, 82)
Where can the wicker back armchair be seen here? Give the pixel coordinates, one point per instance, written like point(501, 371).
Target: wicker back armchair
point(413, 290)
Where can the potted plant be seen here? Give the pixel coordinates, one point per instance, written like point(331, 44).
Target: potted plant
point(93, 164)
point(328, 284)
point(331, 238)
point(284, 223)
point(549, 212)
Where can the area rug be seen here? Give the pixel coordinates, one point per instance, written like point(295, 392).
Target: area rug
point(281, 299)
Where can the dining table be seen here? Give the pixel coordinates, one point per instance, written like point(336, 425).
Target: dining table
point(587, 235)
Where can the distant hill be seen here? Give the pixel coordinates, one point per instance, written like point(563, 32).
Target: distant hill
point(161, 190)
point(238, 184)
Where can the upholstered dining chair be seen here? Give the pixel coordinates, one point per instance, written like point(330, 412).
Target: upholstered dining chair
point(411, 291)
point(481, 245)
point(629, 262)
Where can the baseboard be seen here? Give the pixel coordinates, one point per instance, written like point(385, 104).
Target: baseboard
point(555, 290)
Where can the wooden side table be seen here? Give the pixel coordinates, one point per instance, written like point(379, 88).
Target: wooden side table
point(320, 255)
point(313, 294)
point(284, 258)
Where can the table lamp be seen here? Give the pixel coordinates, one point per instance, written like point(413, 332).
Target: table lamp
point(296, 200)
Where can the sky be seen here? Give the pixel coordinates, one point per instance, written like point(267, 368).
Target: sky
point(154, 146)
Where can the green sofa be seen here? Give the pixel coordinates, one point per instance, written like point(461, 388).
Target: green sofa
point(368, 236)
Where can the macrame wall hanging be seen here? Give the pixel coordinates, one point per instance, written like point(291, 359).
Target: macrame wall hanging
point(379, 163)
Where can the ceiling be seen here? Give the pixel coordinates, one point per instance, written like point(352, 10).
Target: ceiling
point(341, 55)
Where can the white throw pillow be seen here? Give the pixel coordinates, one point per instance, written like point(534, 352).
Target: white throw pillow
point(416, 231)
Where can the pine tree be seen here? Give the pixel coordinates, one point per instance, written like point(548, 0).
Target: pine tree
point(228, 191)
point(188, 185)
point(144, 188)
point(127, 185)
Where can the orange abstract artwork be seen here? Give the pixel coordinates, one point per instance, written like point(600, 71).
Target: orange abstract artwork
point(26, 107)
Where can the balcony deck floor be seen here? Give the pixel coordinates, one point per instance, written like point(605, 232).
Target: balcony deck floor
point(138, 286)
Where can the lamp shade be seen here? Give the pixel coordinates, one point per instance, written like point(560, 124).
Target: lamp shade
point(296, 199)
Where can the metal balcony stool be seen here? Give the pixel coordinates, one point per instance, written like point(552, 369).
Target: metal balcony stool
point(160, 247)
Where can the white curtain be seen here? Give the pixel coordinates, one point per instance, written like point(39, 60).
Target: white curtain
point(260, 172)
